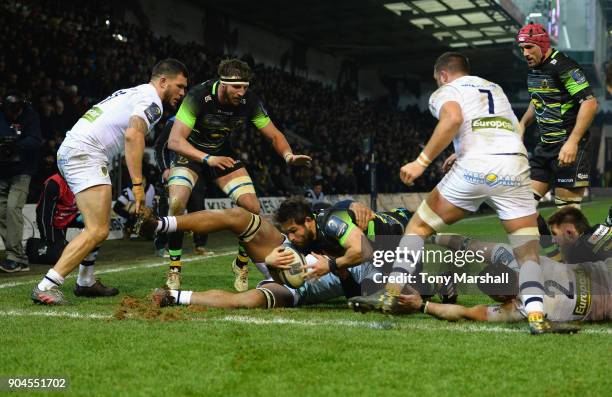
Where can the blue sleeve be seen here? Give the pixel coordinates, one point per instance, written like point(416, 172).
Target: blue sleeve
point(343, 205)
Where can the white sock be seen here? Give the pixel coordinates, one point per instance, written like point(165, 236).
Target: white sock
point(86, 276)
point(166, 224)
point(181, 297)
point(408, 264)
point(264, 270)
point(51, 280)
point(531, 289)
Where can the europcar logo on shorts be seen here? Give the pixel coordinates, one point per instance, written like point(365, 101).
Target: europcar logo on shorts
point(491, 179)
point(492, 123)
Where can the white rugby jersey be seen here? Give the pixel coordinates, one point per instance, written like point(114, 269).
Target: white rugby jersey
point(102, 128)
point(489, 124)
point(568, 291)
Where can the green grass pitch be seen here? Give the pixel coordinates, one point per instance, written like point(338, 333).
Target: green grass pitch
point(325, 350)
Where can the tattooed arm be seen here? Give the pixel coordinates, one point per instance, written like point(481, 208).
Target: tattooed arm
point(134, 147)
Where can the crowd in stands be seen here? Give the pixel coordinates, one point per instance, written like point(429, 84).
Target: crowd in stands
point(66, 61)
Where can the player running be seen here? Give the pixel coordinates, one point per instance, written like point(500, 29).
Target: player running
point(121, 120)
point(491, 166)
point(210, 113)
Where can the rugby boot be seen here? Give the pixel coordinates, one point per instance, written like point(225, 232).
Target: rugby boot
point(241, 282)
point(173, 279)
point(161, 297)
point(382, 301)
point(539, 325)
point(98, 289)
point(146, 223)
point(52, 296)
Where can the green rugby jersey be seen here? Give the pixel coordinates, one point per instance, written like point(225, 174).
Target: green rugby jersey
point(557, 87)
point(334, 226)
point(211, 122)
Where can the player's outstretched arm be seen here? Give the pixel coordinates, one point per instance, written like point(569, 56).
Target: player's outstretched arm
point(281, 146)
point(444, 311)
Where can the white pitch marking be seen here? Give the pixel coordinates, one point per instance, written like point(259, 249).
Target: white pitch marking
point(464, 328)
point(123, 268)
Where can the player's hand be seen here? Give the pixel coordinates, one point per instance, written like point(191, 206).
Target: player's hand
point(139, 197)
point(412, 302)
point(298, 159)
point(165, 175)
point(410, 172)
point(279, 258)
point(318, 269)
point(449, 162)
point(363, 215)
point(221, 162)
point(567, 154)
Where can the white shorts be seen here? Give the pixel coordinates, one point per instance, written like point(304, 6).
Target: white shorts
point(505, 186)
point(82, 168)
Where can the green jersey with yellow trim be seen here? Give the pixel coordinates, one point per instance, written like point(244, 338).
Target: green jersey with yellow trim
point(557, 87)
point(334, 226)
point(211, 122)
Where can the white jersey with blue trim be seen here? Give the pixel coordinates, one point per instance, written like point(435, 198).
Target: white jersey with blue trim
point(489, 124)
point(102, 128)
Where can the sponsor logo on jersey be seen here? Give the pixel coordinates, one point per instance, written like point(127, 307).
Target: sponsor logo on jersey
point(598, 234)
point(207, 98)
point(583, 292)
point(553, 62)
point(499, 123)
point(491, 179)
point(583, 176)
point(578, 76)
point(104, 171)
point(153, 113)
point(544, 84)
point(539, 103)
point(336, 226)
point(566, 180)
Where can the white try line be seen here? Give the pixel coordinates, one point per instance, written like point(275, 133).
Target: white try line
point(145, 265)
point(381, 325)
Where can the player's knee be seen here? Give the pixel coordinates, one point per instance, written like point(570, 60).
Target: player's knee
point(251, 299)
point(176, 206)
point(99, 233)
point(250, 203)
point(566, 200)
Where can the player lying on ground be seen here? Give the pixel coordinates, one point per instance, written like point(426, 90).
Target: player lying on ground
point(574, 292)
point(262, 242)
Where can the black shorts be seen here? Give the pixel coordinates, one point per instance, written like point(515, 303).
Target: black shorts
point(545, 165)
point(203, 170)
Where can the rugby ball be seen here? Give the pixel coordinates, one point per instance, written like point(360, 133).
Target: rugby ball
point(294, 276)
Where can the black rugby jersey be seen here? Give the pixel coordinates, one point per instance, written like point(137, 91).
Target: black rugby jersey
point(557, 87)
point(211, 122)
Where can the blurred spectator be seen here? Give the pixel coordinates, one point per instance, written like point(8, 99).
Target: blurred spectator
point(19, 153)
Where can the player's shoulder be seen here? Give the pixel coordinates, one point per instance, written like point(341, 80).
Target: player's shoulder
point(560, 62)
point(597, 234)
point(333, 222)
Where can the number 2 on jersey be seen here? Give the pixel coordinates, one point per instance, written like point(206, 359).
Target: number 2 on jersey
point(490, 98)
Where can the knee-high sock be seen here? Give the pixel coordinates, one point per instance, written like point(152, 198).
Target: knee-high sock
point(531, 288)
point(86, 269)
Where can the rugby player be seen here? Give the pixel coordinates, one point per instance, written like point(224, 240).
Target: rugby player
point(491, 166)
point(563, 105)
point(210, 113)
point(574, 292)
point(122, 119)
point(263, 243)
point(609, 77)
